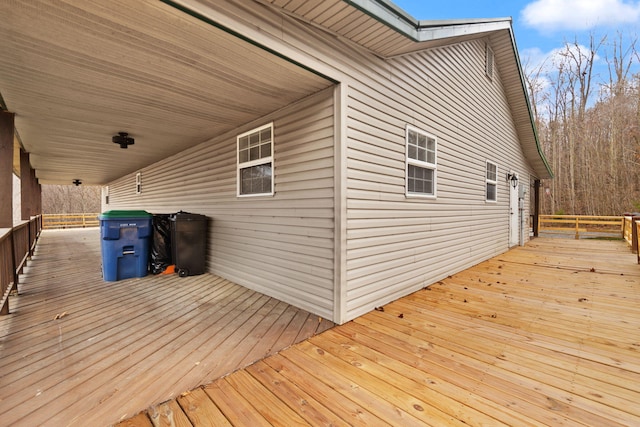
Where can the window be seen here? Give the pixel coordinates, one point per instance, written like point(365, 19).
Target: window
point(138, 183)
point(255, 162)
point(491, 181)
point(421, 163)
point(488, 61)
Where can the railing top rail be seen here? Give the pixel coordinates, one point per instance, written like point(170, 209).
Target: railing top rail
point(20, 225)
point(617, 217)
point(73, 214)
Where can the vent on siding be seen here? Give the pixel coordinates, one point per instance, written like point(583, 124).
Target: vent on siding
point(488, 61)
point(138, 183)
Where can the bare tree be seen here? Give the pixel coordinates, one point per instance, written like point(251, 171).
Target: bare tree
point(589, 128)
point(70, 199)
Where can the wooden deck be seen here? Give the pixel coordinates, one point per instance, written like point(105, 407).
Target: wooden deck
point(544, 335)
point(80, 351)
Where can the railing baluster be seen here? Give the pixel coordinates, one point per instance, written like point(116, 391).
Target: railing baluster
point(16, 247)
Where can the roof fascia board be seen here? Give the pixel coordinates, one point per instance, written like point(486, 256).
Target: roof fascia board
point(394, 17)
point(388, 14)
point(436, 30)
point(528, 101)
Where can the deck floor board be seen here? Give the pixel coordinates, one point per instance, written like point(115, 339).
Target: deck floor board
point(544, 335)
point(122, 347)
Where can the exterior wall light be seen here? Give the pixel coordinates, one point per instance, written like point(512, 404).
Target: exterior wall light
point(512, 179)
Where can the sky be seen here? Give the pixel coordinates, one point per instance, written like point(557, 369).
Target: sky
point(541, 27)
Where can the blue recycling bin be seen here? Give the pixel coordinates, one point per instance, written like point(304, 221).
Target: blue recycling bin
point(124, 237)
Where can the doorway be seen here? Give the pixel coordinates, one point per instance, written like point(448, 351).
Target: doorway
point(514, 222)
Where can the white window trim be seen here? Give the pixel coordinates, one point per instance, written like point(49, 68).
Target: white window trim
point(427, 165)
point(138, 183)
point(257, 162)
point(489, 181)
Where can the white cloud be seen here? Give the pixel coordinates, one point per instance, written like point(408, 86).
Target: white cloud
point(580, 14)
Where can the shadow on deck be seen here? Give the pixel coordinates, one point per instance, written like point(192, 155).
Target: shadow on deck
point(80, 351)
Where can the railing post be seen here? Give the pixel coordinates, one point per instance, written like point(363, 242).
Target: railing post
point(577, 227)
point(14, 265)
point(637, 228)
point(634, 235)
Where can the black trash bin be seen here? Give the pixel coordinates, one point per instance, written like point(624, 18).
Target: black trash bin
point(189, 243)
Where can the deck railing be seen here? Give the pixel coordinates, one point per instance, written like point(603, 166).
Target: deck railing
point(581, 224)
point(70, 220)
point(16, 247)
point(631, 232)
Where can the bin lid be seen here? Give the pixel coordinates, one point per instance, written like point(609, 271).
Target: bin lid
point(118, 214)
point(186, 216)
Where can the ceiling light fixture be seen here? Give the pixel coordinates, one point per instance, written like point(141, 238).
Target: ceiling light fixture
point(76, 182)
point(123, 139)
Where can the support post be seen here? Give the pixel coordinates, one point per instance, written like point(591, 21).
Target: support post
point(6, 169)
point(26, 187)
point(536, 207)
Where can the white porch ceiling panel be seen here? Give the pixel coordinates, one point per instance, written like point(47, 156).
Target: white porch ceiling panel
point(76, 72)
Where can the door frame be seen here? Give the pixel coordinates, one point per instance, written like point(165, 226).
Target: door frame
point(514, 214)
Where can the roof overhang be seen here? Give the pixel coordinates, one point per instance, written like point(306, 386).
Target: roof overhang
point(76, 73)
point(388, 31)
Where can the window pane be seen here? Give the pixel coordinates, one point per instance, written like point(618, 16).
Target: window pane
point(413, 152)
point(431, 151)
point(491, 192)
point(256, 179)
point(243, 156)
point(254, 153)
point(420, 180)
point(265, 135)
point(265, 150)
point(413, 138)
point(422, 141)
point(243, 143)
point(254, 139)
point(491, 172)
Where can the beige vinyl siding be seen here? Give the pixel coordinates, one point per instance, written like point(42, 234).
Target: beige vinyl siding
point(280, 245)
point(395, 244)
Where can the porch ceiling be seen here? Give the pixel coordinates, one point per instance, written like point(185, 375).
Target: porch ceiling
point(77, 72)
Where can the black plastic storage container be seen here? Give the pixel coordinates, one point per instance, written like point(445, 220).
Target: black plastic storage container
point(189, 243)
point(160, 255)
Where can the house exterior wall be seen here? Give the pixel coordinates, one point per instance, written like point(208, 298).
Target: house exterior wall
point(340, 236)
point(398, 244)
point(281, 245)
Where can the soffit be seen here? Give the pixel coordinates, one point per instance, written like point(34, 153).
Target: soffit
point(77, 72)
